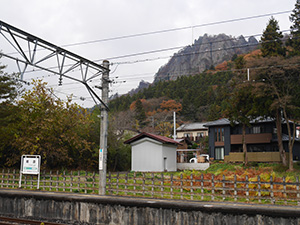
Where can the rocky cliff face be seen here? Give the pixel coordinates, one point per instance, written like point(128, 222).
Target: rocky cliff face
point(142, 85)
point(206, 52)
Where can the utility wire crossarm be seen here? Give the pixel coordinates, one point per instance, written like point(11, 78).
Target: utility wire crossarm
point(36, 52)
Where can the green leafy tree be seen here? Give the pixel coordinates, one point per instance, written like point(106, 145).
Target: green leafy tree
point(239, 62)
point(270, 104)
point(140, 114)
point(10, 87)
point(195, 93)
point(56, 130)
point(271, 43)
point(281, 84)
point(118, 153)
point(241, 108)
point(214, 112)
point(294, 40)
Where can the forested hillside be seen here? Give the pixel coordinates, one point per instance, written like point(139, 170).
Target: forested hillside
point(67, 135)
point(199, 94)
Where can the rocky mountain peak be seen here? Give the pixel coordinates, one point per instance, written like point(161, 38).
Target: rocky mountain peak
point(206, 52)
point(143, 84)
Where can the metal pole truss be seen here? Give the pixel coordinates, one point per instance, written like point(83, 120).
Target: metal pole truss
point(33, 51)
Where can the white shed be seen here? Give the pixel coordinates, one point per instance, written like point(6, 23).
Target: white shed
point(150, 152)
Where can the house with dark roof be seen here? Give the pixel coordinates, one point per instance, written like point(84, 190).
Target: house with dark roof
point(150, 152)
point(225, 141)
point(193, 131)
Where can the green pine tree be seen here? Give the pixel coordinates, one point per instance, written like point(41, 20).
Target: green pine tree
point(140, 114)
point(294, 40)
point(271, 43)
point(242, 107)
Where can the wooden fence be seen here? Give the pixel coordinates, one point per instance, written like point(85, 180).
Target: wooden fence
point(201, 187)
point(80, 182)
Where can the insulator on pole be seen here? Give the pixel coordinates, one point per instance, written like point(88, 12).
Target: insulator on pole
point(60, 81)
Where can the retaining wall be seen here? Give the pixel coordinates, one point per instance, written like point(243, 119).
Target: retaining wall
point(70, 208)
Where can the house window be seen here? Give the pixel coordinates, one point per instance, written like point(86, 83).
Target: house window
point(219, 134)
point(201, 134)
point(222, 137)
point(219, 153)
point(187, 135)
point(257, 130)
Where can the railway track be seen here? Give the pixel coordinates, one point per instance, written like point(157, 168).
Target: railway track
point(17, 221)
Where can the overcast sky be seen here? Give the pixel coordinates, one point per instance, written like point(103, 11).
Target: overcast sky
point(65, 22)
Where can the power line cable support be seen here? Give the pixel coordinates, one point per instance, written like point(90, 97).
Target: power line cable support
point(103, 131)
point(26, 46)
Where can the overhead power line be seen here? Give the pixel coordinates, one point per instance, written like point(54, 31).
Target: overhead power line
point(178, 29)
point(177, 55)
point(183, 54)
point(171, 30)
point(173, 48)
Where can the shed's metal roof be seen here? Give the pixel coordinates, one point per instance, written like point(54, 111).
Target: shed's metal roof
point(159, 138)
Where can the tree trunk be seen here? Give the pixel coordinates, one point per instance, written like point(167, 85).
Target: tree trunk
point(291, 145)
point(279, 138)
point(244, 145)
point(291, 165)
point(291, 140)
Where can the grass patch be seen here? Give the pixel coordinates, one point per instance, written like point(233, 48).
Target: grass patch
point(218, 168)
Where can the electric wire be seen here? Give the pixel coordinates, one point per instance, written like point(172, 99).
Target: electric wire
point(179, 28)
point(177, 74)
point(182, 54)
point(169, 30)
point(157, 51)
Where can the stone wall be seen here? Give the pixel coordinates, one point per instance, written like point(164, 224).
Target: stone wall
point(91, 209)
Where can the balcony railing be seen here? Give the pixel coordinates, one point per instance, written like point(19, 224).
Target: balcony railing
point(251, 138)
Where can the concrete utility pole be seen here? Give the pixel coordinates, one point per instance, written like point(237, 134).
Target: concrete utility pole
point(103, 130)
point(174, 118)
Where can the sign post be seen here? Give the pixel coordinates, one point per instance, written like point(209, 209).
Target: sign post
point(30, 164)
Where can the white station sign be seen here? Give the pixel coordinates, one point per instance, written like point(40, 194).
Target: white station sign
point(30, 164)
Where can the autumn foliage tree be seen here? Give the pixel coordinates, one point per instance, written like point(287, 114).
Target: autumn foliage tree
point(54, 129)
point(281, 85)
point(171, 106)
